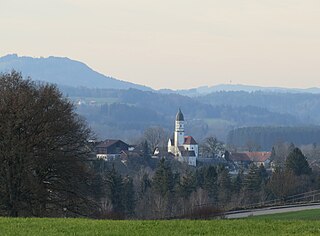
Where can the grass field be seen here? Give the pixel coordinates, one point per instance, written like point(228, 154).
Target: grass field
point(254, 226)
point(298, 215)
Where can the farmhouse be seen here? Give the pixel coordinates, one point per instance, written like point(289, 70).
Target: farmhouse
point(243, 159)
point(111, 149)
point(240, 159)
point(260, 158)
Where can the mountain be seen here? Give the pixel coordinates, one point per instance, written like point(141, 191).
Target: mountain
point(67, 72)
point(63, 71)
point(204, 90)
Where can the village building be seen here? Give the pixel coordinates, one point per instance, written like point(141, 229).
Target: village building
point(244, 159)
point(260, 158)
point(183, 148)
point(111, 149)
point(240, 159)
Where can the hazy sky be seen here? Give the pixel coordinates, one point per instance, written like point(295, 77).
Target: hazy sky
point(173, 43)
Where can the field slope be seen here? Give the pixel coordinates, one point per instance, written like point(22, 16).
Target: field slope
point(32, 226)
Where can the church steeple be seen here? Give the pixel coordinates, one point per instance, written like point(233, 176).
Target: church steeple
point(179, 129)
point(179, 116)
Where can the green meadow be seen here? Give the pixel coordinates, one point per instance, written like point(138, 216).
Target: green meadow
point(297, 223)
point(298, 215)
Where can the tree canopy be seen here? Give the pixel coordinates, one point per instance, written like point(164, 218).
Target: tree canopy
point(43, 145)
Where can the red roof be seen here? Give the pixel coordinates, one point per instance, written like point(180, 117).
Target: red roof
point(239, 157)
point(189, 140)
point(258, 156)
point(250, 156)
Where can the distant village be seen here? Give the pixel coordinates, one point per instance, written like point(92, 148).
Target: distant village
point(183, 148)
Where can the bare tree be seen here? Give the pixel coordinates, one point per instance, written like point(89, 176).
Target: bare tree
point(43, 144)
point(156, 137)
point(212, 147)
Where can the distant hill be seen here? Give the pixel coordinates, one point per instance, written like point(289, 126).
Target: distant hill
point(67, 72)
point(204, 90)
point(63, 71)
point(250, 88)
point(126, 113)
point(119, 109)
point(304, 106)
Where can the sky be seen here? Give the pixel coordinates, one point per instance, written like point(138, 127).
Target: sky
point(175, 44)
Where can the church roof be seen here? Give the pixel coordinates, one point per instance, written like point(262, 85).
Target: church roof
point(179, 116)
point(189, 140)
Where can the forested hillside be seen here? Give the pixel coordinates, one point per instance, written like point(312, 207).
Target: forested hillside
point(264, 138)
point(304, 106)
point(126, 113)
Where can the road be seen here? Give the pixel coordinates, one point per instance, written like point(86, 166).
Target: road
point(270, 210)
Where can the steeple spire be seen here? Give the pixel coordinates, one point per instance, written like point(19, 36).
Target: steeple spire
point(179, 116)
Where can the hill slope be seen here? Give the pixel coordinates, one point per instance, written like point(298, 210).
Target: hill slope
point(63, 71)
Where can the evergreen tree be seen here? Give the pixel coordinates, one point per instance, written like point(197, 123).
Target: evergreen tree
point(187, 185)
point(115, 190)
point(297, 163)
point(263, 174)
point(199, 177)
point(252, 181)
point(163, 179)
point(291, 147)
point(273, 154)
point(129, 196)
point(237, 182)
point(210, 182)
point(224, 184)
point(145, 184)
point(223, 177)
point(146, 151)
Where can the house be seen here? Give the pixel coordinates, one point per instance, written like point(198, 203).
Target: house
point(183, 148)
point(260, 158)
point(110, 149)
point(244, 159)
point(240, 159)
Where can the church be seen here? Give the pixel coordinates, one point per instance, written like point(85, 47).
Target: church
point(184, 148)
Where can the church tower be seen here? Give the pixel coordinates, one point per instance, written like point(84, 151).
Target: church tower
point(179, 130)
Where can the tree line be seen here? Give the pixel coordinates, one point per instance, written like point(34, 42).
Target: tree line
point(264, 138)
point(172, 189)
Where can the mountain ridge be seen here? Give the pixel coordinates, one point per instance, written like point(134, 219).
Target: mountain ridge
point(68, 72)
point(205, 90)
point(63, 71)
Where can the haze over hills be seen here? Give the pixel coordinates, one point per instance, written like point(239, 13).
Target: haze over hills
point(67, 72)
point(63, 71)
point(204, 90)
point(119, 109)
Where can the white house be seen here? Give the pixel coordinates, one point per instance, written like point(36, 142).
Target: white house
point(184, 148)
